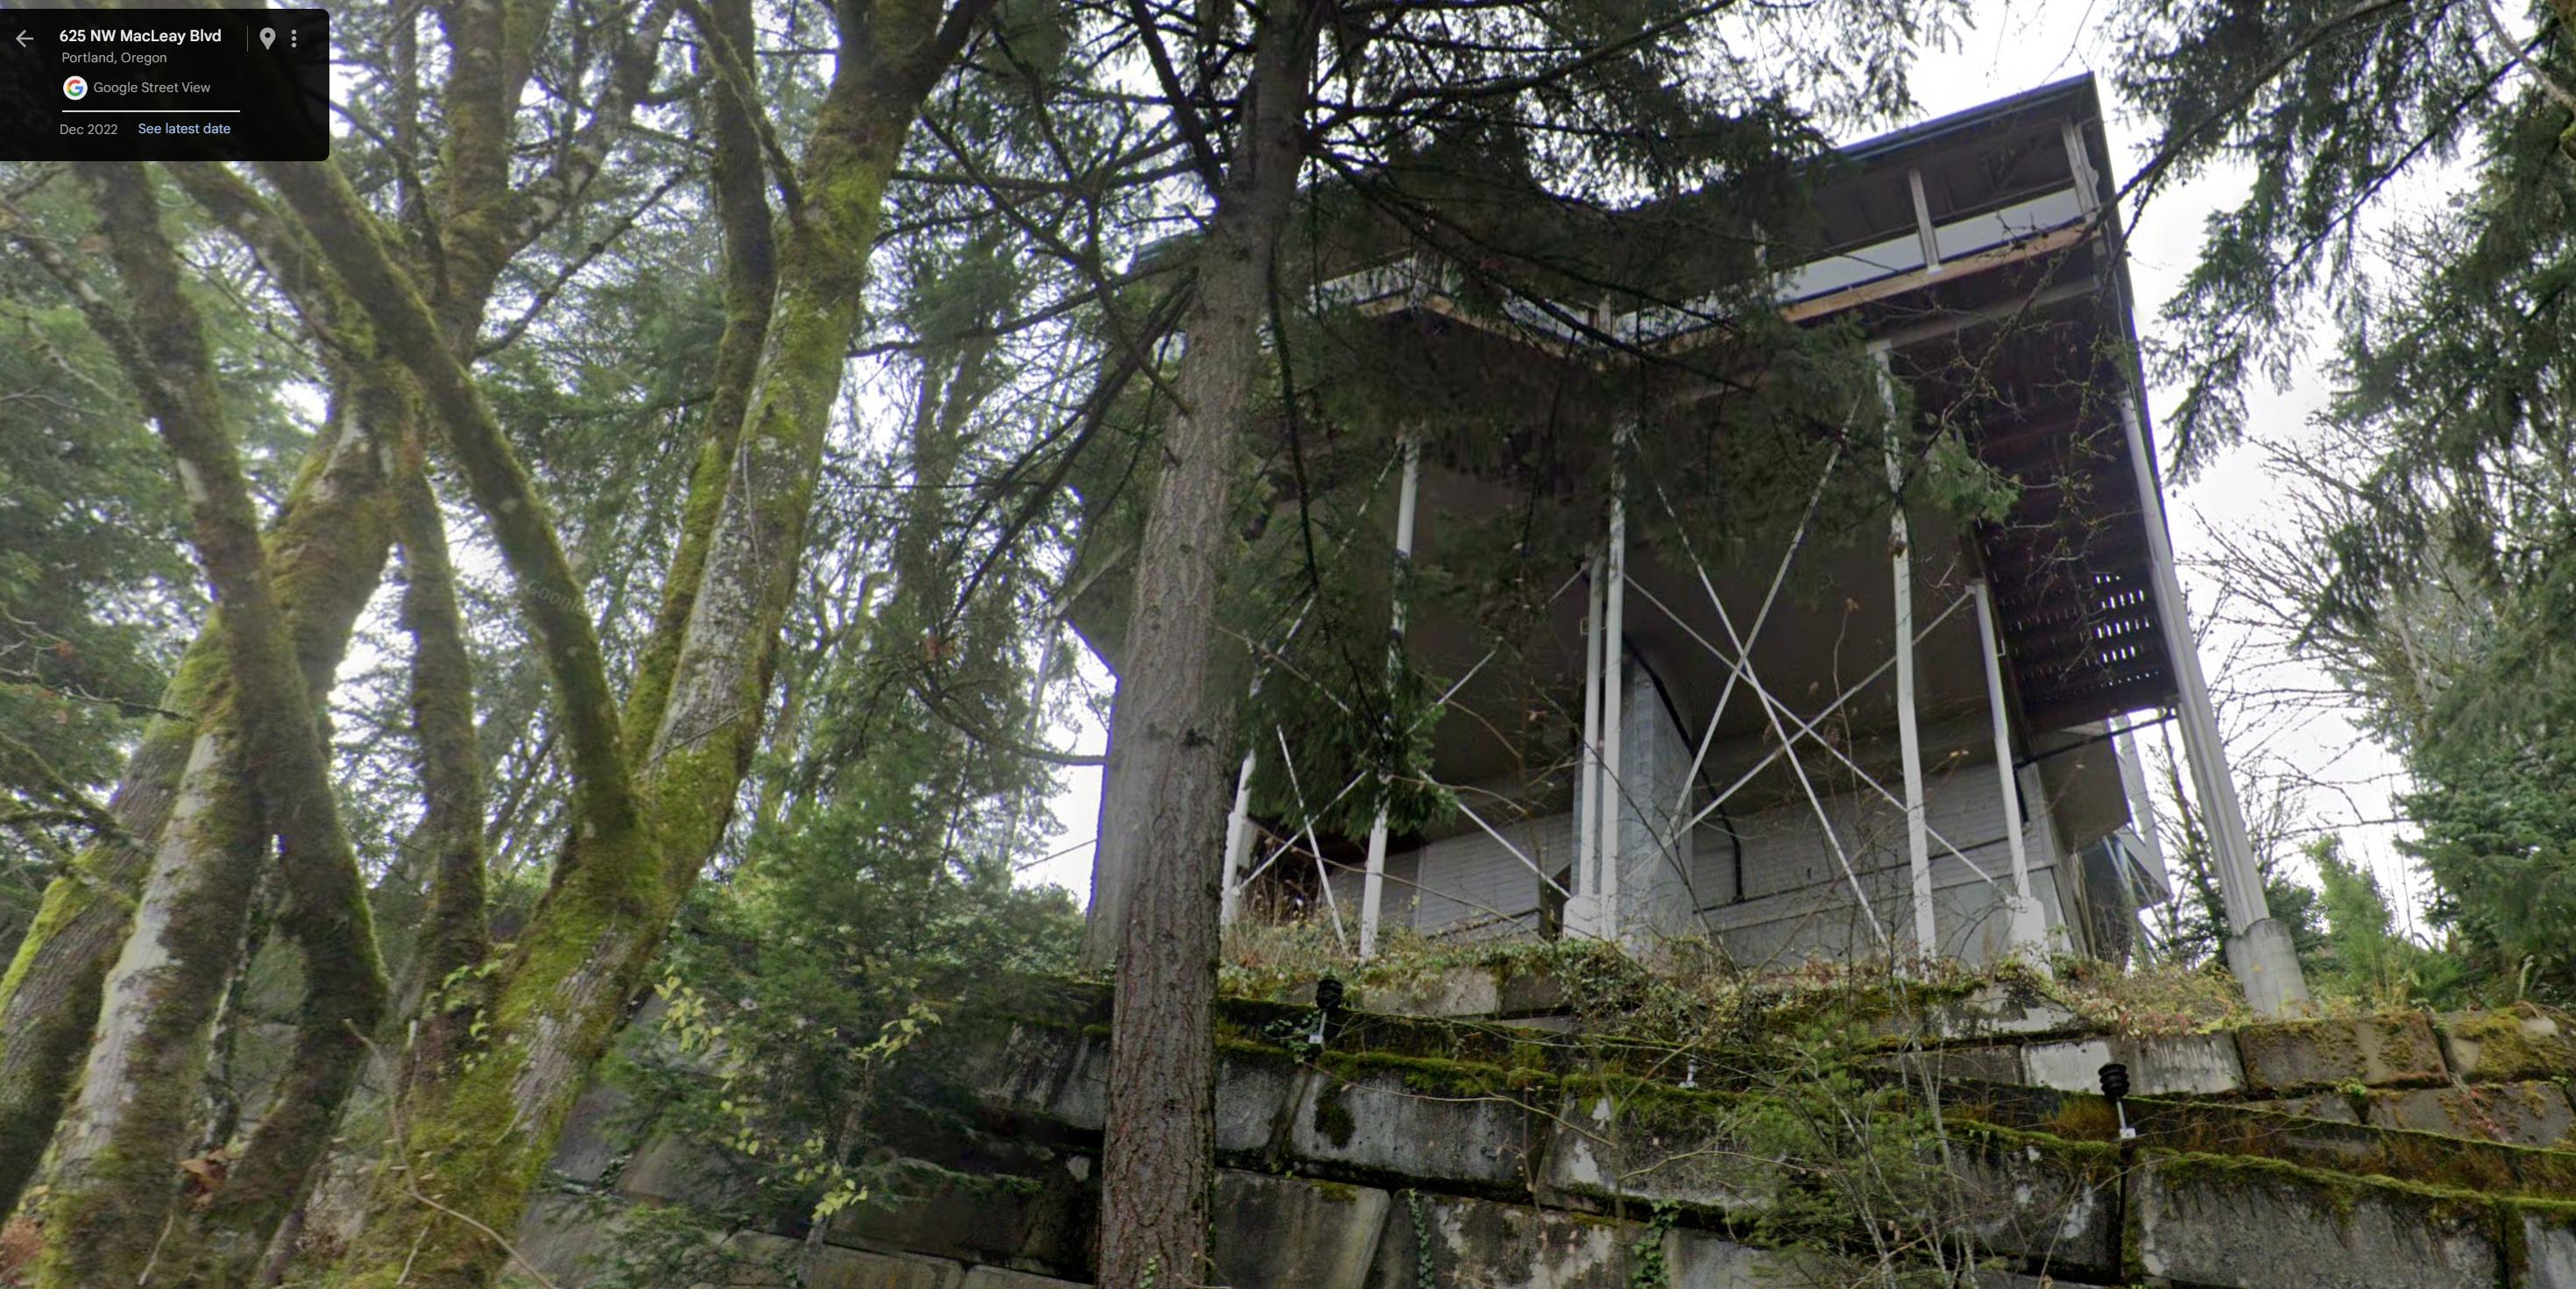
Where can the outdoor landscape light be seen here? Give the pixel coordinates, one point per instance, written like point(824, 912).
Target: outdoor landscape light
point(2115, 1085)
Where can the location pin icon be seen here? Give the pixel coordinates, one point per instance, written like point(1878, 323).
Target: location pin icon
point(267, 37)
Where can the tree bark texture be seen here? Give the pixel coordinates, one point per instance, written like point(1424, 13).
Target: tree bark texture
point(453, 933)
point(562, 994)
point(1166, 815)
point(109, 1214)
point(736, 182)
point(326, 556)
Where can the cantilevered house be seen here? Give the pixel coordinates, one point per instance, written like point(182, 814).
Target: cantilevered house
point(1813, 747)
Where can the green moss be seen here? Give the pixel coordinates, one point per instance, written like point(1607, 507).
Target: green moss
point(1461, 1080)
point(1655, 1107)
point(2341, 1191)
point(2084, 1118)
point(1333, 1120)
point(2101, 1157)
point(2506, 1051)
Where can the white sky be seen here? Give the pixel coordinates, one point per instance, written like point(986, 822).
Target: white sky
point(2015, 47)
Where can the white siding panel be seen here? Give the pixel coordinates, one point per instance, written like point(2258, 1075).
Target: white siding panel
point(1472, 880)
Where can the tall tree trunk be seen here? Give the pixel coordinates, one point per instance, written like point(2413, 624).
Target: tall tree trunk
point(453, 933)
point(1166, 814)
point(110, 1210)
point(326, 556)
point(645, 829)
point(736, 182)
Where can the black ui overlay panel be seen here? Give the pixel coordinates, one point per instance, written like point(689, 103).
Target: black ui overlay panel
point(165, 84)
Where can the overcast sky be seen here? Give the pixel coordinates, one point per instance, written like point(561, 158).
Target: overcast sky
point(2015, 47)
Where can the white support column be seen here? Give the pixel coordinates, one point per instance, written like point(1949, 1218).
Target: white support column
point(1373, 881)
point(1614, 632)
point(2259, 951)
point(1918, 842)
point(1587, 778)
point(2026, 929)
point(1238, 844)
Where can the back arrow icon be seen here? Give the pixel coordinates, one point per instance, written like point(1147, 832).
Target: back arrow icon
point(22, 40)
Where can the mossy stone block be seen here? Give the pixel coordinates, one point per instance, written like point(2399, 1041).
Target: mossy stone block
point(1290, 1233)
point(2001, 1064)
point(836, 1268)
point(2181, 1065)
point(1005, 1278)
point(561, 1234)
point(2375, 1051)
point(1043, 1222)
point(1656, 1149)
point(2518, 1114)
point(1694, 1260)
point(674, 1169)
point(2333, 1107)
point(2545, 1253)
point(760, 1260)
point(1503, 1246)
point(2044, 1209)
point(2523, 1043)
point(1412, 1126)
point(595, 1134)
point(2244, 1224)
point(1028, 1072)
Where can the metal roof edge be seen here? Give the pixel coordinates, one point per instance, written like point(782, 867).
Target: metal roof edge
point(2076, 90)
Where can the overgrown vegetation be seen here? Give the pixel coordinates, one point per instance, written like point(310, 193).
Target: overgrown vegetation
point(792, 379)
point(1689, 991)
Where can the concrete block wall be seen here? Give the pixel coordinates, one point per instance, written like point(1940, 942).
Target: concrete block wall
point(1364, 1167)
point(2499, 1076)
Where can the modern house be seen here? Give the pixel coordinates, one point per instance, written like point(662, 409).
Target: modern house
point(1823, 747)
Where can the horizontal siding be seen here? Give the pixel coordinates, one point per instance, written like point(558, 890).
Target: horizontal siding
point(1796, 900)
point(1472, 880)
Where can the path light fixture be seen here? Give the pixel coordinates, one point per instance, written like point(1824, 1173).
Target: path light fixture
point(2115, 1086)
point(1328, 1000)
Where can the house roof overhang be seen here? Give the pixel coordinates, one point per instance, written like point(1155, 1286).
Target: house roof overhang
point(1983, 250)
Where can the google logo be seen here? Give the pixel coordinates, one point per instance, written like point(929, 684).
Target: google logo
point(74, 88)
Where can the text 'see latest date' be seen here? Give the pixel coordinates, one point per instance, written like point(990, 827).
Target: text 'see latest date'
point(165, 85)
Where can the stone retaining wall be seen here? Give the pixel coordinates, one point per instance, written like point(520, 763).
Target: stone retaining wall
point(1362, 1169)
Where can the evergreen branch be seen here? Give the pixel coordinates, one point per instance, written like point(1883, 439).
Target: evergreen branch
point(78, 806)
point(129, 706)
point(1184, 110)
point(545, 296)
point(1094, 415)
point(933, 697)
point(1105, 289)
point(2173, 150)
point(1591, 56)
point(2517, 54)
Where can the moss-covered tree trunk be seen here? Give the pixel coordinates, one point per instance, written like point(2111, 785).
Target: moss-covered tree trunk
point(109, 1217)
point(324, 562)
point(326, 556)
point(454, 931)
point(474, 1136)
point(1165, 818)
